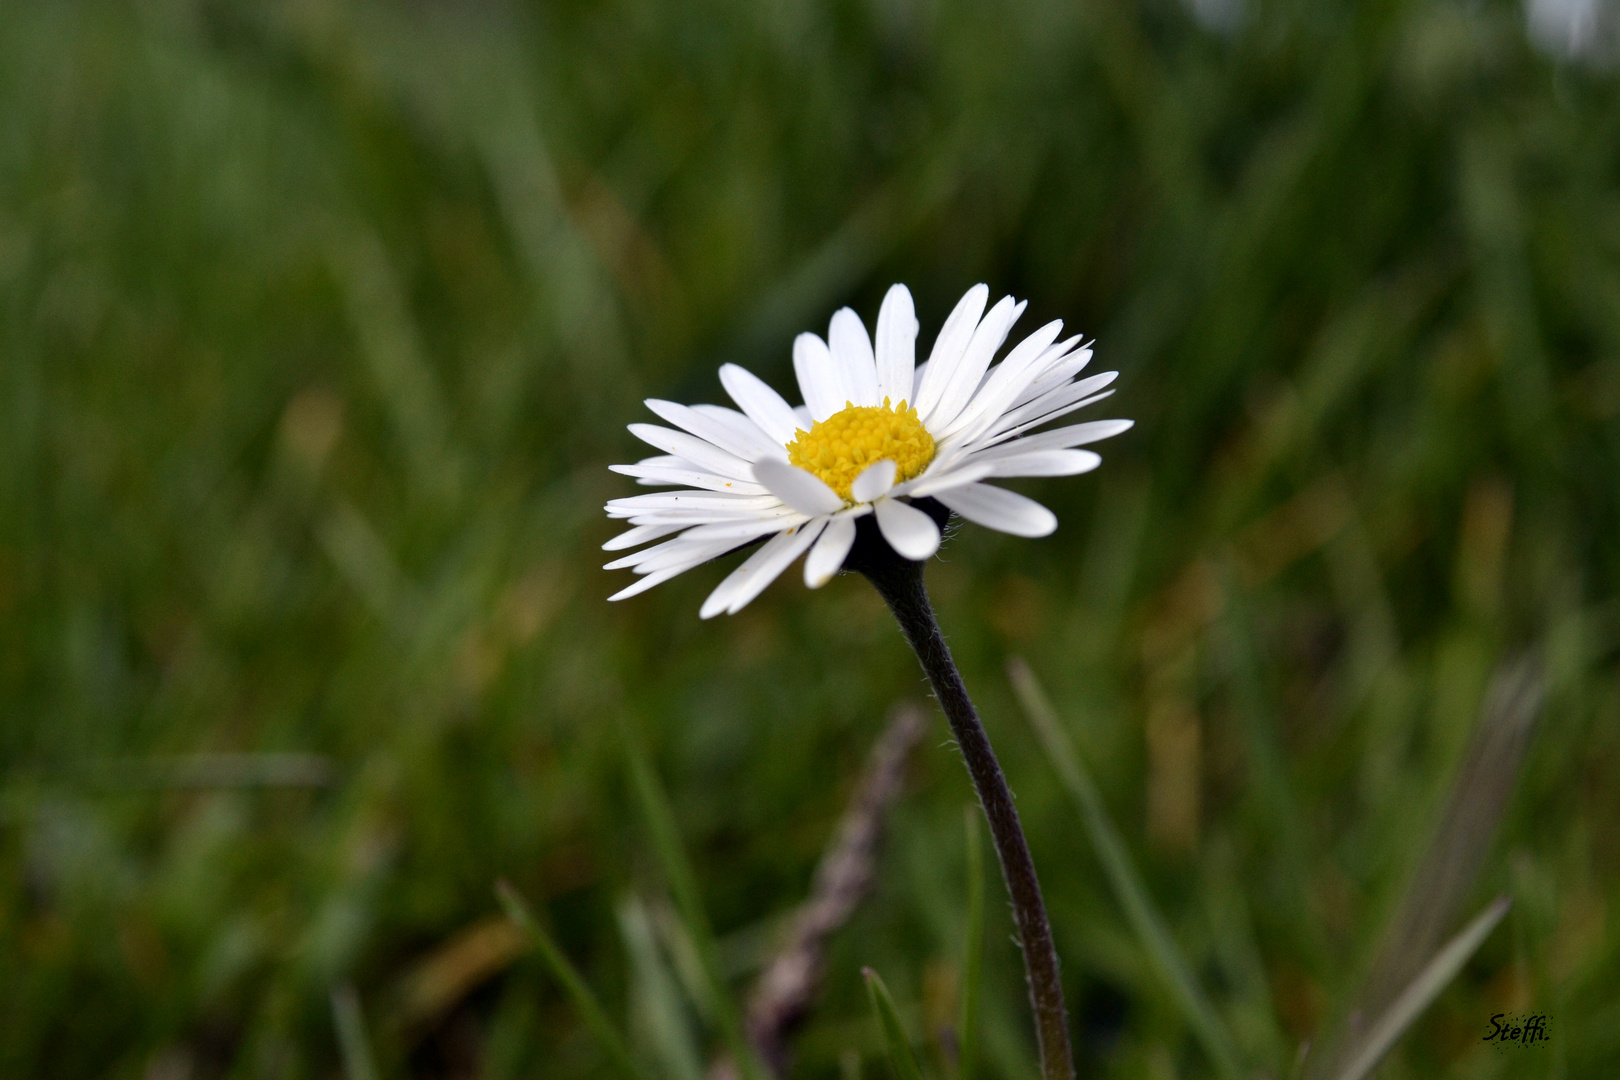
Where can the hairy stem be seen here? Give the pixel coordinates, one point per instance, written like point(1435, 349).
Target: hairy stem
point(900, 583)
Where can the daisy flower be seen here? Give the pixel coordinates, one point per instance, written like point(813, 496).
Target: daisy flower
point(881, 437)
point(876, 432)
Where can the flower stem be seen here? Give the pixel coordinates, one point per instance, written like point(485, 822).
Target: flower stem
point(900, 582)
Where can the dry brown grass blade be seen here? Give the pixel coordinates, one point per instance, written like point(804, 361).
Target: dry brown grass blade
point(783, 995)
point(1462, 839)
point(440, 980)
point(1411, 1002)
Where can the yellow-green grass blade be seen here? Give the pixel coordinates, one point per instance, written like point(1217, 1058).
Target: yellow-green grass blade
point(901, 1056)
point(657, 1009)
point(353, 1042)
point(688, 903)
point(590, 1010)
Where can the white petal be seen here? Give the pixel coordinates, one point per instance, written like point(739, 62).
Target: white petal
point(681, 551)
point(948, 348)
point(705, 501)
point(769, 569)
point(740, 532)
point(683, 518)
point(715, 504)
point(700, 452)
point(687, 521)
point(896, 347)
point(1002, 433)
point(804, 491)
point(696, 517)
point(917, 381)
point(1062, 353)
point(956, 476)
point(908, 530)
point(706, 428)
point(683, 477)
point(819, 382)
point(648, 582)
point(1005, 382)
point(1066, 392)
point(1046, 463)
point(802, 418)
point(663, 568)
point(852, 354)
point(1058, 372)
point(964, 378)
point(1059, 438)
point(828, 554)
point(1049, 406)
point(875, 481)
point(1000, 509)
point(762, 405)
point(759, 570)
point(641, 534)
point(743, 430)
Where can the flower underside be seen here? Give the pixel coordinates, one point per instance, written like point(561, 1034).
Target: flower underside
point(839, 448)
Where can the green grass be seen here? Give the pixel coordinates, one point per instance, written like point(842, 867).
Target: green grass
point(320, 323)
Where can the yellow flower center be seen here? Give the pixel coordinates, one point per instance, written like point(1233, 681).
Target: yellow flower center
point(839, 448)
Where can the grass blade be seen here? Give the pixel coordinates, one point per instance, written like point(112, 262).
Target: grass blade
point(972, 951)
point(901, 1055)
point(1423, 990)
point(350, 1021)
point(683, 885)
point(659, 1014)
point(1462, 838)
point(595, 1017)
point(1126, 883)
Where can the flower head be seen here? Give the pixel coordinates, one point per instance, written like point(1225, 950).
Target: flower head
point(876, 431)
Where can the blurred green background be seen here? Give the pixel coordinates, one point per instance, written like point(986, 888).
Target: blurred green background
point(320, 323)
